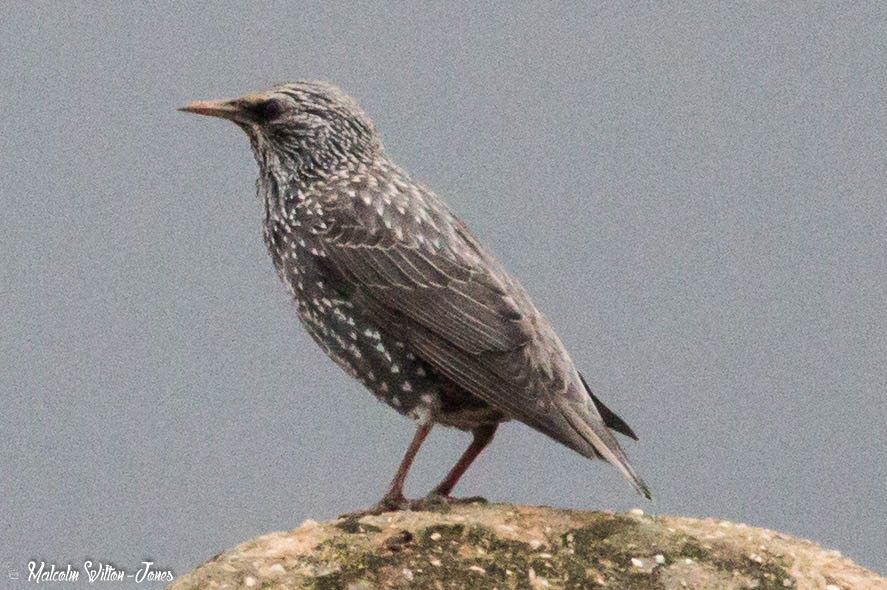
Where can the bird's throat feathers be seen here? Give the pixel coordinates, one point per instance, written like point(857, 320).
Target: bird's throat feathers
point(306, 159)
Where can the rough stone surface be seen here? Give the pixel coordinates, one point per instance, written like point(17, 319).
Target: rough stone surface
point(505, 546)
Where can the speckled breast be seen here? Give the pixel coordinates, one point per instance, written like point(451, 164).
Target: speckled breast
point(382, 363)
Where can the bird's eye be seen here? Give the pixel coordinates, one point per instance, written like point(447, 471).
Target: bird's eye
point(267, 110)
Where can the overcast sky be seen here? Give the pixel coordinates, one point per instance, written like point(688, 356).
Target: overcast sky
point(695, 197)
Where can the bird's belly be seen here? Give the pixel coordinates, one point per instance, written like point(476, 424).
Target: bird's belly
point(384, 365)
point(388, 368)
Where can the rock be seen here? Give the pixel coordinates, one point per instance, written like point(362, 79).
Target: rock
point(503, 546)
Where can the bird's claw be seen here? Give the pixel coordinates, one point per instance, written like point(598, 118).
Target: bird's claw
point(435, 498)
point(437, 502)
point(432, 502)
point(386, 504)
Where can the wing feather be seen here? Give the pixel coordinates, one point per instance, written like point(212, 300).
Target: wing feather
point(460, 311)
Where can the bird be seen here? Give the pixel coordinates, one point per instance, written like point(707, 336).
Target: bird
point(398, 292)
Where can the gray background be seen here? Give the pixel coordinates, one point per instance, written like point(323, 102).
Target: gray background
point(694, 196)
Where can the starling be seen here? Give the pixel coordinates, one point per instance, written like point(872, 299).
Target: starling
point(398, 291)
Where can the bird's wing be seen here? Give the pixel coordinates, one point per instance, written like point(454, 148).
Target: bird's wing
point(458, 301)
point(438, 289)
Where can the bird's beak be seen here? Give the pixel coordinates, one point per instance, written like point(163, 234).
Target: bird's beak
point(226, 109)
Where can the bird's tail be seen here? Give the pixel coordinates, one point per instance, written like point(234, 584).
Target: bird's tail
point(592, 430)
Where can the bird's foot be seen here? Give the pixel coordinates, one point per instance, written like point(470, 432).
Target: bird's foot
point(390, 503)
point(436, 501)
point(468, 500)
point(433, 502)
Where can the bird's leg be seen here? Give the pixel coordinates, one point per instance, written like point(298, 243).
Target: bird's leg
point(393, 498)
point(482, 437)
point(394, 495)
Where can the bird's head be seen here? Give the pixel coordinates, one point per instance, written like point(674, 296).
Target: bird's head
point(305, 128)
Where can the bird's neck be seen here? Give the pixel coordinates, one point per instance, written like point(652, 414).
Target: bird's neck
point(321, 158)
point(287, 189)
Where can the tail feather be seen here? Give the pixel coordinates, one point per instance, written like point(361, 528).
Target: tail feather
point(610, 418)
point(595, 433)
